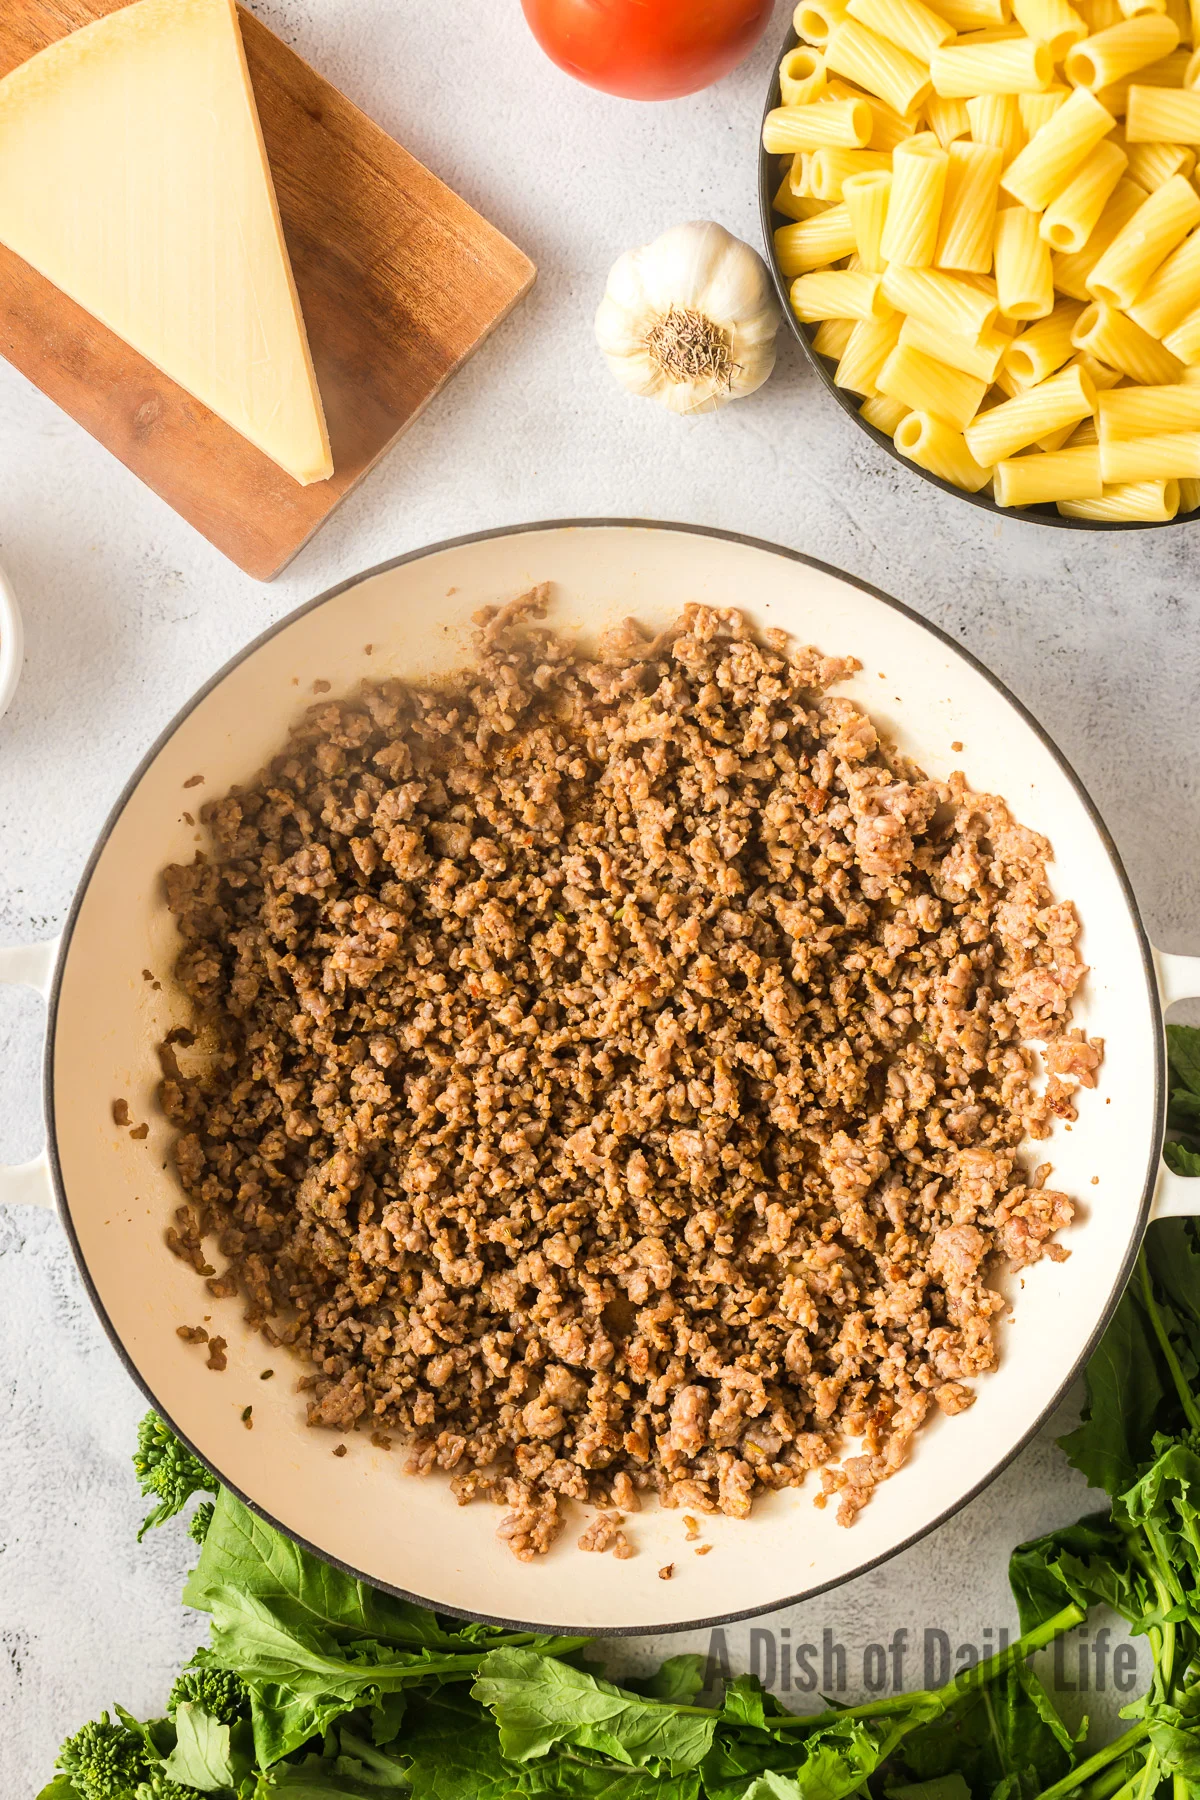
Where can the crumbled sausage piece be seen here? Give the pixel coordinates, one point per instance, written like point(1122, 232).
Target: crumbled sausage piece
point(217, 1358)
point(192, 1334)
point(666, 1572)
point(604, 1533)
point(140, 1132)
point(120, 1112)
point(620, 1068)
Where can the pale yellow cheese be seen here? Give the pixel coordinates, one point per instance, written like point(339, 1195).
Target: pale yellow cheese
point(133, 176)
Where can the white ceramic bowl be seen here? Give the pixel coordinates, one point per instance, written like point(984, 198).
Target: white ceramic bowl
point(115, 1195)
point(12, 642)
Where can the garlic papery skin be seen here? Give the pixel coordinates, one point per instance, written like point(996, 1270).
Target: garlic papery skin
point(690, 320)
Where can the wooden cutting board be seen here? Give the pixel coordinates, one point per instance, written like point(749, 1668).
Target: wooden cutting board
point(400, 281)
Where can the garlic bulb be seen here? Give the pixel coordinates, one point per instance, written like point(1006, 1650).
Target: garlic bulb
point(690, 319)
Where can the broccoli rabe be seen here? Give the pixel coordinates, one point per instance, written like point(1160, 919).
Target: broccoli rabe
point(168, 1471)
point(105, 1760)
point(219, 1691)
point(200, 1521)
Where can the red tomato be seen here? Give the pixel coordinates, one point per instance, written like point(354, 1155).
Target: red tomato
point(647, 49)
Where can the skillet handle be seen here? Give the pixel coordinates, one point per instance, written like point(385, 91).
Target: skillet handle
point(28, 965)
point(1176, 1196)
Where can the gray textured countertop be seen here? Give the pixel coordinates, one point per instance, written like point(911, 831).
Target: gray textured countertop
point(127, 612)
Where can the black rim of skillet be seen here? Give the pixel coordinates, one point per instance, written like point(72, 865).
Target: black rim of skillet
point(1138, 1223)
point(768, 182)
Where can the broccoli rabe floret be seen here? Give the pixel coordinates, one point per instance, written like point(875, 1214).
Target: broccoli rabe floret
point(167, 1470)
point(105, 1760)
point(219, 1691)
point(200, 1521)
point(161, 1787)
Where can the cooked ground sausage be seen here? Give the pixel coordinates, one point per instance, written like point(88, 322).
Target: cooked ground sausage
point(612, 1069)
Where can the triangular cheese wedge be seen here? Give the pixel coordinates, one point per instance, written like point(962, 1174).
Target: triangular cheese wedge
point(133, 176)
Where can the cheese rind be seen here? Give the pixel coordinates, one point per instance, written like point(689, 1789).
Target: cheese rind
point(133, 176)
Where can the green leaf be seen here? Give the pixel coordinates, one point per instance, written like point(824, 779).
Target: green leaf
point(1165, 1501)
point(540, 1703)
point(61, 1788)
point(745, 1703)
point(1087, 1563)
point(284, 1721)
point(299, 1684)
point(942, 1787)
point(452, 1752)
point(1175, 1735)
point(775, 1787)
point(679, 1678)
point(1124, 1391)
point(203, 1757)
point(992, 1731)
point(1180, 1160)
point(1183, 1054)
point(1183, 1111)
point(315, 1779)
point(243, 1555)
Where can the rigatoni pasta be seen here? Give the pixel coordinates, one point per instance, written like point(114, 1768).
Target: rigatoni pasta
point(910, 232)
point(868, 347)
point(1113, 338)
point(801, 76)
point(1058, 475)
point(1072, 269)
point(967, 227)
point(815, 20)
point(1184, 341)
point(832, 335)
point(1161, 457)
point(947, 119)
point(908, 23)
point(996, 119)
point(1073, 214)
point(848, 123)
point(884, 414)
point(1172, 291)
point(839, 294)
point(815, 243)
point(828, 169)
point(979, 356)
point(1150, 165)
point(1120, 49)
point(1038, 174)
point(1147, 411)
point(1024, 279)
point(866, 199)
point(862, 56)
point(925, 385)
point(1163, 115)
point(1149, 502)
point(1010, 66)
point(991, 229)
point(942, 301)
point(1162, 221)
point(1015, 424)
point(936, 446)
point(1051, 22)
point(1046, 346)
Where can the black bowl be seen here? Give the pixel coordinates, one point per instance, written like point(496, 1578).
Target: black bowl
point(768, 181)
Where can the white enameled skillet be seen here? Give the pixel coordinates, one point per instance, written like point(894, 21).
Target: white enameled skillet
point(12, 642)
point(115, 1194)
